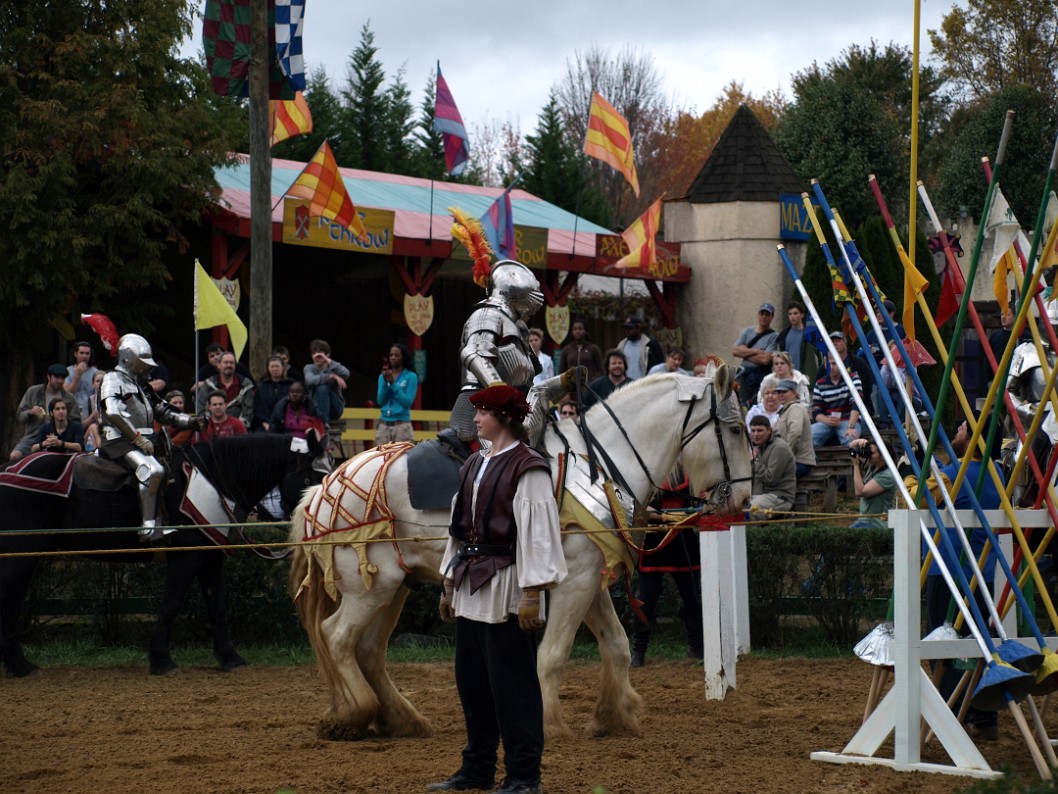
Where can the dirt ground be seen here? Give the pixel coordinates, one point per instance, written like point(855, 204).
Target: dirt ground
point(121, 730)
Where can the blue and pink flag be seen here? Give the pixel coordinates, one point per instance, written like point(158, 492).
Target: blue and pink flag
point(448, 122)
point(498, 223)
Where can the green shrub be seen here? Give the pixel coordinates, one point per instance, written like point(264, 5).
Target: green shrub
point(834, 574)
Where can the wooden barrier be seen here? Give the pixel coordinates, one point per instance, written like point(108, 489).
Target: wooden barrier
point(358, 427)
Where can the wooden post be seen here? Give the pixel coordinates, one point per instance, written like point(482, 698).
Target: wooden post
point(260, 193)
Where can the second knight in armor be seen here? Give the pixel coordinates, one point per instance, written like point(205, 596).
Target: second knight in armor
point(126, 416)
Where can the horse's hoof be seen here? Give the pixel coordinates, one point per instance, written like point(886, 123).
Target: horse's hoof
point(164, 667)
point(233, 662)
point(22, 669)
point(333, 731)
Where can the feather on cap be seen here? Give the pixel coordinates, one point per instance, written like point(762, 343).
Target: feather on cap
point(471, 234)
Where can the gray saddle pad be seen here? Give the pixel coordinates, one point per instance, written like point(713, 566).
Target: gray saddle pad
point(93, 473)
point(433, 474)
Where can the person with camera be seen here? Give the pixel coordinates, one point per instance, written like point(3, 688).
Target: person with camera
point(874, 484)
point(397, 387)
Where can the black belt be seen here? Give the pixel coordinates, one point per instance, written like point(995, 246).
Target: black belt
point(485, 550)
point(387, 422)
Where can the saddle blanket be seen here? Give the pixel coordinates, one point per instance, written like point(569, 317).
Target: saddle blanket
point(37, 472)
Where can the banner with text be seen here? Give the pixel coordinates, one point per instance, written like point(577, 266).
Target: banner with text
point(301, 229)
point(611, 247)
point(530, 242)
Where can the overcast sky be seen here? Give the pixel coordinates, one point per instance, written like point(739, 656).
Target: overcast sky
point(501, 59)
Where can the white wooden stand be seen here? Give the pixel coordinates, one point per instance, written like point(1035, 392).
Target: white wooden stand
point(725, 607)
point(913, 697)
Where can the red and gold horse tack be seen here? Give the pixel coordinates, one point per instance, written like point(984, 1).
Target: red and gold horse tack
point(329, 513)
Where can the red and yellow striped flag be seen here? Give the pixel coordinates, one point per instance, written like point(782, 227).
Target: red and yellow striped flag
point(288, 117)
point(640, 237)
point(321, 184)
point(610, 140)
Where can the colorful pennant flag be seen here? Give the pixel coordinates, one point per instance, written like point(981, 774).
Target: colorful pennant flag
point(289, 117)
point(289, 23)
point(448, 122)
point(211, 309)
point(498, 224)
point(915, 284)
point(321, 183)
point(952, 286)
point(999, 279)
point(1000, 231)
point(610, 140)
point(641, 237)
point(226, 41)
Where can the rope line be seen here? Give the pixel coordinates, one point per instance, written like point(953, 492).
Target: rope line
point(652, 529)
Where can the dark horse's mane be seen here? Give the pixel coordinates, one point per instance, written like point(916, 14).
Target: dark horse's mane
point(243, 467)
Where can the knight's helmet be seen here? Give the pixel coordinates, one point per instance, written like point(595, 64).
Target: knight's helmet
point(135, 357)
point(516, 285)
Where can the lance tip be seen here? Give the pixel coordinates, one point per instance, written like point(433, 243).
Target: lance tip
point(815, 181)
point(871, 178)
point(780, 247)
point(920, 183)
point(984, 159)
point(804, 194)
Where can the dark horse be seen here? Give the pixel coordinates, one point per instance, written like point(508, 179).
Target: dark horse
point(243, 469)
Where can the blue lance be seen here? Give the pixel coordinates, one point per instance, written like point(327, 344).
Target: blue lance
point(1013, 652)
point(1000, 677)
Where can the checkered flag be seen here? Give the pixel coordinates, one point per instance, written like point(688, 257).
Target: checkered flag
point(290, 18)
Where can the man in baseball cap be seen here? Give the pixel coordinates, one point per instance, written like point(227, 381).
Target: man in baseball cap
point(33, 408)
point(755, 346)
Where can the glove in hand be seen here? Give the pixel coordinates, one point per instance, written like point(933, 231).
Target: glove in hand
point(444, 606)
point(574, 379)
point(529, 611)
point(199, 422)
point(144, 445)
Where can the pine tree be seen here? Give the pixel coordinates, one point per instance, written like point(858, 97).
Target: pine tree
point(364, 108)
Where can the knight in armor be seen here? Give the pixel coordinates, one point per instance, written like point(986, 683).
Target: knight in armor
point(1026, 385)
point(494, 349)
point(126, 415)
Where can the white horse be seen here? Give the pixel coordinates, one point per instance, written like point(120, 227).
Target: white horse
point(350, 592)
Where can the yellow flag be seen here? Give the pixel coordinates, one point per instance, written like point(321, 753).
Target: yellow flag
point(999, 279)
point(211, 310)
point(914, 285)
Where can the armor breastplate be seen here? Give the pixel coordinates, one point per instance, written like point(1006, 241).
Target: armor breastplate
point(513, 357)
point(120, 392)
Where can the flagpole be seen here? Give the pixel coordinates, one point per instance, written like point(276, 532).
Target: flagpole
point(260, 193)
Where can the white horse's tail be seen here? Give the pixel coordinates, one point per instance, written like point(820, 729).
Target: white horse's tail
point(313, 603)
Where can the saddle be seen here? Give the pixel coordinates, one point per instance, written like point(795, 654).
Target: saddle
point(93, 473)
point(433, 470)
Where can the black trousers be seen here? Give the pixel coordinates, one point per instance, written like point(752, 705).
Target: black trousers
point(500, 694)
point(651, 584)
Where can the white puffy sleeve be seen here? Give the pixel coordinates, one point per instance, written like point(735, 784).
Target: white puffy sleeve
point(541, 563)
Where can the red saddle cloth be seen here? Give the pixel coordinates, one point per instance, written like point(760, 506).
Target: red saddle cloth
point(44, 472)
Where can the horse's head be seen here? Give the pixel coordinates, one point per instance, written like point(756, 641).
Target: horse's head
point(715, 446)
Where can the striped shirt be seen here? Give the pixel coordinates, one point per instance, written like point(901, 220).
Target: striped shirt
point(829, 398)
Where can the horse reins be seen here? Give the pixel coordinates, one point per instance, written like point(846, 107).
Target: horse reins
point(720, 492)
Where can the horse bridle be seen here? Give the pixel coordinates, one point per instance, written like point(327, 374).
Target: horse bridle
point(721, 492)
point(718, 495)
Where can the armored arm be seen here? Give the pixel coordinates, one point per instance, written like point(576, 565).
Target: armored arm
point(479, 353)
point(167, 415)
point(114, 395)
